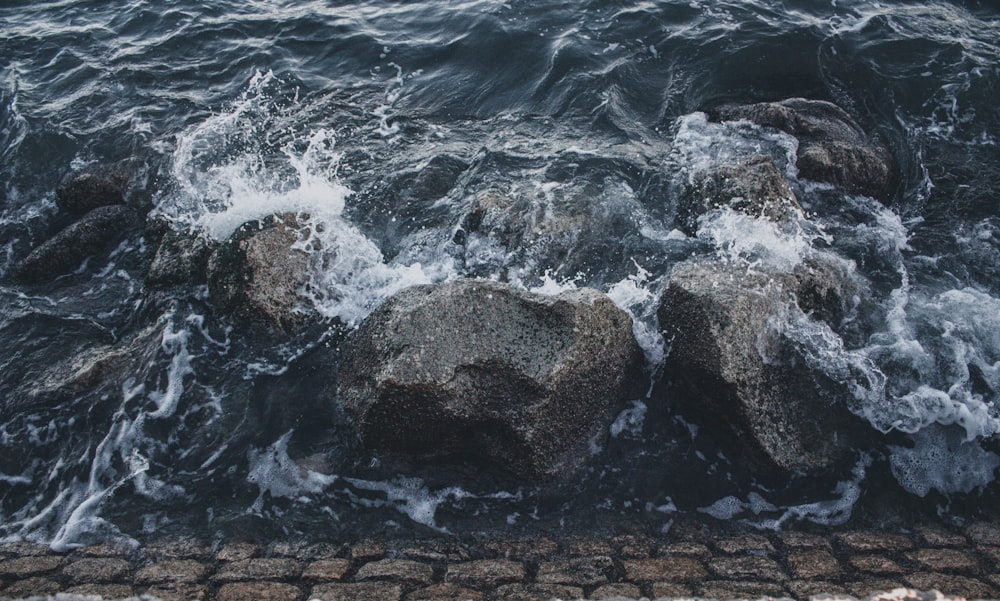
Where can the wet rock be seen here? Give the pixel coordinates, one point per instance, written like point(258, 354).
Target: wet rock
point(832, 146)
point(480, 368)
point(741, 376)
point(755, 187)
point(257, 274)
point(93, 187)
point(180, 259)
point(435, 179)
point(67, 249)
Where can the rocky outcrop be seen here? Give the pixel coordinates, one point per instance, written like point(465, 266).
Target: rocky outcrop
point(180, 259)
point(755, 187)
point(743, 377)
point(483, 369)
point(66, 250)
point(832, 146)
point(257, 274)
point(93, 187)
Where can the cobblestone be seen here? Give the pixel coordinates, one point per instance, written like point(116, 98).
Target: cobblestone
point(984, 533)
point(690, 561)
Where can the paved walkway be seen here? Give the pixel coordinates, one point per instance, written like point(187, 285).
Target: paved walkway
point(702, 560)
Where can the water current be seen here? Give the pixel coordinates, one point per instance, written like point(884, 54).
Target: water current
point(590, 115)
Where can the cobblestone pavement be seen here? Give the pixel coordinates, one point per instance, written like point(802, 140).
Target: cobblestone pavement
point(696, 561)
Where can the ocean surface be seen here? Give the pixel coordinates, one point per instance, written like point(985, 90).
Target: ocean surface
point(591, 113)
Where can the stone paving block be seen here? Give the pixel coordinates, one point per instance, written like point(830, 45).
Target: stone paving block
point(368, 550)
point(747, 543)
point(24, 550)
point(633, 546)
point(178, 592)
point(179, 548)
point(992, 554)
point(363, 591)
point(98, 571)
point(397, 569)
point(874, 542)
point(587, 547)
point(937, 536)
point(685, 550)
point(729, 589)
point(617, 590)
point(583, 571)
point(816, 563)
point(119, 550)
point(864, 588)
point(876, 564)
point(172, 571)
point(28, 587)
point(950, 584)
point(21, 567)
point(984, 533)
point(258, 591)
point(259, 569)
point(445, 592)
point(803, 589)
point(485, 572)
point(804, 540)
point(664, 569)
point(945, 560)
point(108, 591)
point(536, 592)
point(238, 552)
point(747, 568)
point(670, 589)
point(307, 552)
point(528, 549)
point(327, 569)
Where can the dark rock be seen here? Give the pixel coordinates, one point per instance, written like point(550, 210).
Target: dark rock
point(755, 187)
point(93, 187)
point(256, 275)
point(436, 178)
point(832, 146)
point(779, 411)
point(180, 259)
point(67, 249)
point(482, 368)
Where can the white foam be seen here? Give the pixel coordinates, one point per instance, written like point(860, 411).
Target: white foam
point(942, 460)
point(276, 474)
point(630, 420)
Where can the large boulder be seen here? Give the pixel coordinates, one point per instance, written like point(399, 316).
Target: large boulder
point(67, 249)
point(754, 186)
point(480, 368)
point(181, 258)
point(832, 146)
point(738, 372)
point(259, 272)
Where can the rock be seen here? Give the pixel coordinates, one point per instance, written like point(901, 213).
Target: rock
point(67, 249)
point(435, 179)
point(736, 372)
point(832, 146)
point(755, 187)
point(180, 259)
point(256, 275)
point(94, 187)
point(475, 367)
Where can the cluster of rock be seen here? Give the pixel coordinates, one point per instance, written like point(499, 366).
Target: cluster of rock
point(526, 381)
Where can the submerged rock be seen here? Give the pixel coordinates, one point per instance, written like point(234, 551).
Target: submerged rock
point(755, 187)
point(93, 187)
point(66, 250)
point(739, 372)
point(435, 179)
point(832, 146)
point(258, 273)
point(479, 368)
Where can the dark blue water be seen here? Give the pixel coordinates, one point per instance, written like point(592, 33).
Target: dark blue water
point(592, 115)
